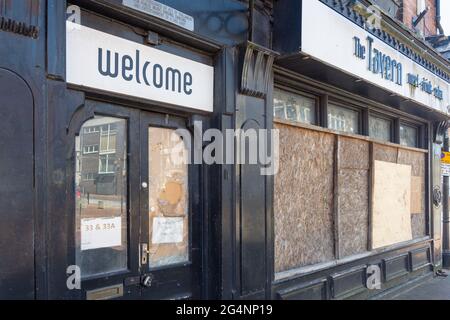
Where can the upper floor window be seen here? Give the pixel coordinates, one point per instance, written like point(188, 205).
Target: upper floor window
point(107, 164)
point(90, 149)
point(91, 130)
point(108, 138)
point(294, 107)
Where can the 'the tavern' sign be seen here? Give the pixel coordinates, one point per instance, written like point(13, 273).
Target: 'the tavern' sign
point(351, 48)
point(102, 61)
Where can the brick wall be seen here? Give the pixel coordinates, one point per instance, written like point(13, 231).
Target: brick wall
point(409, 10)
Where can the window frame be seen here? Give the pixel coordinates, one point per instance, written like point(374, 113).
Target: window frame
point(91, 130)
point(365, 109)
point(328, 94)
point(382, 116)
point(87, 176)
point(418, 129)
point(107, 155)
point(91, 146)
point(305, 94)
point(112, 111)
point(340, 104)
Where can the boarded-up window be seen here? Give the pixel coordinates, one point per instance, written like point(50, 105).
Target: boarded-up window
point(352, 196)
point(322, 196)
point(303, 201)
point(391, 204)
point(417, 161)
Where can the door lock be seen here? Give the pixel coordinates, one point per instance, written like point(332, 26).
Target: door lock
point(147, 281)
point(144, 253)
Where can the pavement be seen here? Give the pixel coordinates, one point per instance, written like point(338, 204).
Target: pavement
point(437, 288)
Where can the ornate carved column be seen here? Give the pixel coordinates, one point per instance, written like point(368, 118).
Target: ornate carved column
point(254, 191)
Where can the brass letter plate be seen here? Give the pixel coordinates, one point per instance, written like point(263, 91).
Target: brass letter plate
point(105, 293)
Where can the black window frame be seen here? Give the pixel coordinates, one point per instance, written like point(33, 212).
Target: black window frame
point(419, 130)
point(306, 94)
point(365, 110)
point(382, 116)
point(344, 105)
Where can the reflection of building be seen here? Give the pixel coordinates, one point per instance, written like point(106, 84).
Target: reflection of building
point(101, 157)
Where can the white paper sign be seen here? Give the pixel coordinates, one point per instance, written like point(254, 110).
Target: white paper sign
point(162, 11)
point(102, 61)
point(101, 233)
point(167, 230)
point(445, 168)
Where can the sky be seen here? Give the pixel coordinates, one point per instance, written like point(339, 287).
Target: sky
point(445, 13)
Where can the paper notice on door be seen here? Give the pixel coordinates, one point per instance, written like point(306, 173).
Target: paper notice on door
point(101, 233)
point(167, 230)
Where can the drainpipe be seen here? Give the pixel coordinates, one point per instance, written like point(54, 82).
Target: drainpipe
point(438, 17)
point(251, 8)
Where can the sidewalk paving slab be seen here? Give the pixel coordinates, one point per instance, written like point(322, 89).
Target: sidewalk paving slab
point(437, 288)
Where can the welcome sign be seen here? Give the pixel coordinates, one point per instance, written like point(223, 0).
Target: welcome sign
point(102, 61)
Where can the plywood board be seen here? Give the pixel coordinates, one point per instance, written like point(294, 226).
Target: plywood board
point(385, 153)
point(417, 195)
point(303, 198)
point(353, 154)
point(419, 225)
point(415, 159)
point(352, 193)
point(391, 204)
point(353, 220)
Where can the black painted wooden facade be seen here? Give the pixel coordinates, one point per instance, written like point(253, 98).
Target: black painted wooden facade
point(233, 205)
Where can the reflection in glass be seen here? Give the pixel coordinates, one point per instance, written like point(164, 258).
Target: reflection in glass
point(343, 119)
point(168, 198)
point(408, 136)
point(294, 107)
point(101, 196)
point(380, 129)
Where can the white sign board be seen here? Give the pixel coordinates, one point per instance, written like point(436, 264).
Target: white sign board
point(159, 10)
point(101, 233)
point(445, 169)
point(102, 61)
point(167, 230)
point(332, 41)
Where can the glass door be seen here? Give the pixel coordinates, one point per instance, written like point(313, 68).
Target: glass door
point(106, 192)
point(137, 210)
